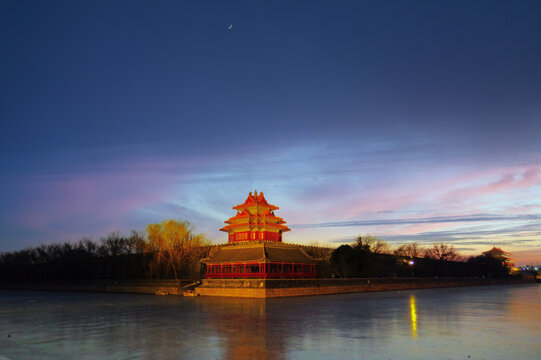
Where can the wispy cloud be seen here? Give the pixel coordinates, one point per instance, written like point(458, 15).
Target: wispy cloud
point(426, 220)
point(324, 193)
point(491, 182)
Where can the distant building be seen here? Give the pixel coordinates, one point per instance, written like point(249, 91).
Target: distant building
point(500, 255)
point(255, 248)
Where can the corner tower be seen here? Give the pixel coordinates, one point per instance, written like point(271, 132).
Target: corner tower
point(255, 220)
point(255, 249)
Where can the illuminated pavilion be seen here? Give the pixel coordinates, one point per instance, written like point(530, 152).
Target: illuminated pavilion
point(500, 255)
point(255, 248)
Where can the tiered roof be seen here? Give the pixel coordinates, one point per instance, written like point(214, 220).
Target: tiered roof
point(500, 255)
point(255, 199)
point(256, 213)
point(259, 251)
point(496, 252)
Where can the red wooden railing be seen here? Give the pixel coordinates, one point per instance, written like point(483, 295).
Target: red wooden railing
point(261, 271)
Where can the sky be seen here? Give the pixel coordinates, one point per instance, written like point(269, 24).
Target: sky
point(413, 121)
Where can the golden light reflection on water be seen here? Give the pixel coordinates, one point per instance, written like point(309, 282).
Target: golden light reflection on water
point(245, 328)
point(413, 313)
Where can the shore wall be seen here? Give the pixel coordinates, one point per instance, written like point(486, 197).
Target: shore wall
point(258, 288)
point(162, 287)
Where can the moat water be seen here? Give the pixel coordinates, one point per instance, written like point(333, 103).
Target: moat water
point(490, 322)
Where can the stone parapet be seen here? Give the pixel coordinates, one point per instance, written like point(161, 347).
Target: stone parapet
point(255, 288)
point(270, 288)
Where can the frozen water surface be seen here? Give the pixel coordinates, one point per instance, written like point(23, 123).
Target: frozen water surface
point(492, 322)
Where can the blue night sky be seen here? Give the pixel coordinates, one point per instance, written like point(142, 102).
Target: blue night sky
point(408, 120)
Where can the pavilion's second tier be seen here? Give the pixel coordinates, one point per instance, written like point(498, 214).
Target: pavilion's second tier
point(255, 221)
point(248, 231)
point(236, 236)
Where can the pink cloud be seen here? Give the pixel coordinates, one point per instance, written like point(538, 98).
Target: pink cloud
point(461, 194)
point(509, 181)
point(80, 201)
point(522, 209)
point(416, 229)
point(531, 177)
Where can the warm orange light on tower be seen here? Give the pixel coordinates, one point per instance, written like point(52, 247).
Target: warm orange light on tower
point(255, 220)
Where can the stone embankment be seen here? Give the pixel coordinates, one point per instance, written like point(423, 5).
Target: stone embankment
point(258, 288)
point(158, 287)
point(255, 288)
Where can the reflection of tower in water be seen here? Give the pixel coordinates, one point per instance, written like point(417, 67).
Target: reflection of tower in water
point(413, 315)
point(244, 328)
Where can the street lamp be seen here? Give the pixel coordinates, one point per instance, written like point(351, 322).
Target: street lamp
point(411, 263)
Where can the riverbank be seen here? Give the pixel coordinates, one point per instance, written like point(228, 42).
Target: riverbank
point(256, 288)
point(157, 287)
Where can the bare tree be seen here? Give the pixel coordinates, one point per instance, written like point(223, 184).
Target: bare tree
point(135, 243)
point(371, 244)
point(442, 252)
point(409, 250)
point(112, 245)
point(88, 246)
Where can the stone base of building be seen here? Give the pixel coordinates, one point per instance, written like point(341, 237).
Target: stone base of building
point(271, 288)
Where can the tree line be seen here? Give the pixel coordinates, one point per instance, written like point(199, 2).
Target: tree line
point(371, 257)
point(168, 250)
point(173, 250)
